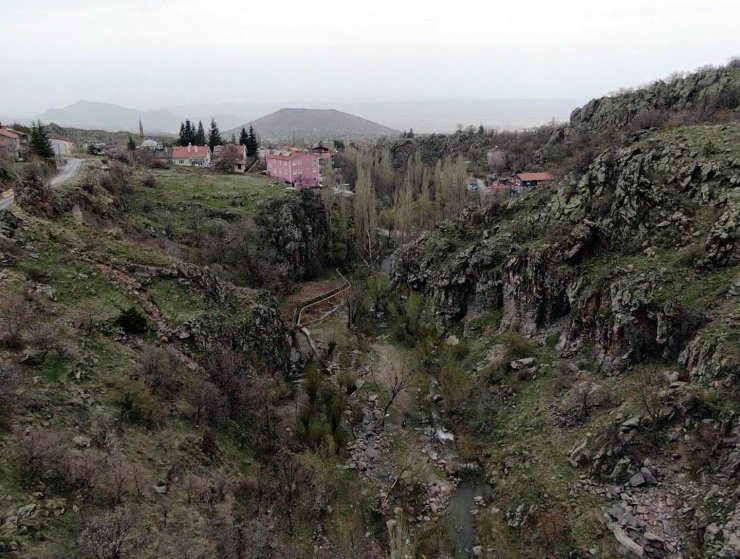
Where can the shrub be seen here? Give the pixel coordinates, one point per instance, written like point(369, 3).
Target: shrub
point(691, 254)
point(110, 535)
point(15, 315)
point(138, 406)
point(38, 453)
point(312, 383)
point(8, 378)
point(160, 369)
point(149, 181)
point(209, 443)
point(37, 274)
point(517, 345)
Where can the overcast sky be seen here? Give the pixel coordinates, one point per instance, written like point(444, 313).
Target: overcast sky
point(154, 53)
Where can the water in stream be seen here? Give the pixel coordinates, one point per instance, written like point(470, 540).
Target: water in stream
point(459, 519)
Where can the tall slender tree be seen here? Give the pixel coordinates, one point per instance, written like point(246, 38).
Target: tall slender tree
point(131, 145)
point(253, 144)
point(365, 216)
point(214, 135)
point(244, 138)
point(199, 138)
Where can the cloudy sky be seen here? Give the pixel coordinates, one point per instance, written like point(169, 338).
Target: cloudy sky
point(154, 53)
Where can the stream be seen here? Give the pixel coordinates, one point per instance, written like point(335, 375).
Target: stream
point(459, 518)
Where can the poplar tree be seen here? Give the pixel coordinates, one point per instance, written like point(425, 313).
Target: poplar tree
point(402, 203)
point(365, 216)
point(214, 136)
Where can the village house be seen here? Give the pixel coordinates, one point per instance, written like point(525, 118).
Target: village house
point(323, 153)
point(192, 156)
point(300, 168)
point(496, 158)
point(523, 181)
point(236, 152)
point(60, 145)
point(10, 144)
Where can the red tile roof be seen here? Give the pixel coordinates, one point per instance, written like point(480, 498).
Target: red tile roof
point(196, 152)
point(236, 150)
point(9, 133)
point(289, 157)
point(539, 177)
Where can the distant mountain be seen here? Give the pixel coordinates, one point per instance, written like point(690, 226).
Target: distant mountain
point(423, 116)
point(106, 116)
point(315, 124)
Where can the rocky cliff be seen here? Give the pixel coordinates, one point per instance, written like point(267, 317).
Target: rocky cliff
point(637, 256)
point(628, 276)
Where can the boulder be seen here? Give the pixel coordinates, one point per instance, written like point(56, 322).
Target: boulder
point(81, 441)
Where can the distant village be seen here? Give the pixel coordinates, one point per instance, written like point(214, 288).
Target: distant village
point(298, 167)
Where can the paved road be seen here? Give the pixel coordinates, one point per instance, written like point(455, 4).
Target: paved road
point(69, 170)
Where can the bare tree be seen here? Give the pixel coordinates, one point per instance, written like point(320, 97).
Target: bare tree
point(649, 389)
point(208, 401)
point(110, 535)
point(399, 379)
point(15, 315)
point(355, 299)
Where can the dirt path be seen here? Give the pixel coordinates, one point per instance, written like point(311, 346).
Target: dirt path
point(70, 170)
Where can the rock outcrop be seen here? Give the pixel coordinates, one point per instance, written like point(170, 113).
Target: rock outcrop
point(635, 258)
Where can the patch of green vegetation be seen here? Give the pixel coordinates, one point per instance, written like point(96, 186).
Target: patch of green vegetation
point(178, 188)
point(53, 368)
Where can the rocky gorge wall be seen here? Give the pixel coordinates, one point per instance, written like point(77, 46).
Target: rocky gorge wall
point(637, 257)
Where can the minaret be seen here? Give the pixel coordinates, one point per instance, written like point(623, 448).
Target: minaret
point(141, 130)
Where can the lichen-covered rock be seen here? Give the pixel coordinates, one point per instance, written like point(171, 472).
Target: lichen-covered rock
point(603, 254)
point(295, 228)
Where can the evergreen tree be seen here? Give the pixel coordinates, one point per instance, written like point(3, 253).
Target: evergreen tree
point(199, 138)
point(188, 134)
point(131, 144)
point(243, 137)
point(214, 136)
point(40, 141)
point(233, 139)
point(253, 143)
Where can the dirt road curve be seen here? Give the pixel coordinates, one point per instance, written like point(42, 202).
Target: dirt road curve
point(68, 171)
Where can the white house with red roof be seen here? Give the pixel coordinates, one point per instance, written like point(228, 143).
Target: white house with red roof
point(191, 156)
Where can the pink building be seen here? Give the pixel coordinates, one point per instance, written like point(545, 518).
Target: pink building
point(300, 168)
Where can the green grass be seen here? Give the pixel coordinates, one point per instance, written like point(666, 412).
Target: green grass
point(53, 368)
point(180, 187)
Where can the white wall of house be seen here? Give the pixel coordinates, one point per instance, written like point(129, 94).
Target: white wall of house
point(61, 147)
